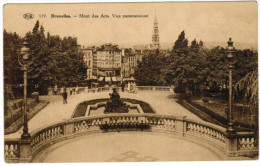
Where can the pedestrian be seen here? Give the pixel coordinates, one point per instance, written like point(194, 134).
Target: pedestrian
point(73, 90)
point(77, 90)
point(128, 87)
point(123, 86)
point(55, 89)
point(64, 96)
point(132, 87)
point(70, 89)
point(135, 90)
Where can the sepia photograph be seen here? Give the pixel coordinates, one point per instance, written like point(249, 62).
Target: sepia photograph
point(130, 82)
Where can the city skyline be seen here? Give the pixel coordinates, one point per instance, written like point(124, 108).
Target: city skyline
point(212, 22)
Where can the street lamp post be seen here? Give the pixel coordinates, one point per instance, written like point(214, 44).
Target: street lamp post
point(24, 60)
point(230, 50)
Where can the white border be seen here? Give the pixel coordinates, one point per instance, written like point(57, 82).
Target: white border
point(193, 163)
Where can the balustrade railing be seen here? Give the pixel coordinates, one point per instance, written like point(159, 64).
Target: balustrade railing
point(205, 131)
point(49, 133)
point(154, 88)
point(11, 149)
point(245, 143)
point(104, 89)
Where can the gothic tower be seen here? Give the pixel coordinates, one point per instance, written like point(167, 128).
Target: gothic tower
point(155, 37)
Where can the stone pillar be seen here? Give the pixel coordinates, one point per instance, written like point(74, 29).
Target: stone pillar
point(25, 151)
point(231, 144)
point(180, 126)
point(68, 129)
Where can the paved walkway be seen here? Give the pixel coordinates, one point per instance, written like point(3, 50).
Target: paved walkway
point(162, 102)
point(107, 148)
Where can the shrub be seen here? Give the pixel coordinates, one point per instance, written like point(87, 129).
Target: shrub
point(188, 95)
point(205, 100)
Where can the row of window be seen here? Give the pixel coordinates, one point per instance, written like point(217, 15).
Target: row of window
point(106, 57)
point(88, 54)
point(108, 65)
point(88, 63)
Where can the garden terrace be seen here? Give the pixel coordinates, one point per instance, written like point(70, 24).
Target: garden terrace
point(54, 126)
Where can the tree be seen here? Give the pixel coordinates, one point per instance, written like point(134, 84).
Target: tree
point(248, 86)
point(188, 68)
point(181, 44)
point(38, 79)
point(56, 61)
point(194, 46)
point(12, 71)
point(150, 71)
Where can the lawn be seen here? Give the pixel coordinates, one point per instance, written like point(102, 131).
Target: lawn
point(218, 109)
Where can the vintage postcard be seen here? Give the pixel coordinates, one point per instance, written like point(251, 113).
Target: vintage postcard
point(130, 82)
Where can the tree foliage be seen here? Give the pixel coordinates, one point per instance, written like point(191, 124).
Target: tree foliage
point(56, 61)
point(12, 72)
point(195, 70)
point(181, 44)
point(151, 70)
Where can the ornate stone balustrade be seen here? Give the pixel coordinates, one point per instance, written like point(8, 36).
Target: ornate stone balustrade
point(46, 134)
point(12, 148)
point(247, 143)
point(205, 131)
point(154, 88)
point(105, 89)
point(58, 92)
point(238, 144)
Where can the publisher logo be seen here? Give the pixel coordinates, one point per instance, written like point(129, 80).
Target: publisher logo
point(28, 16)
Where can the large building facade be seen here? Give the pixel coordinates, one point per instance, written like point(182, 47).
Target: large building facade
point(107, 63)
point(88, 59)
point(129, 63)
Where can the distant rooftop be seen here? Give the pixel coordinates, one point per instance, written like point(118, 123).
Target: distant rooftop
point(108, 47)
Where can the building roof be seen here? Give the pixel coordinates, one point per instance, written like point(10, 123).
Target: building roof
point(108, 47)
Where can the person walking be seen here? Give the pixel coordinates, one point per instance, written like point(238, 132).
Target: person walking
point(123, 86)
point(70, 89)
point(128, 87)
point(132, 87)
point(64, 96)
point(77, 90)
point(135, 89)
point(55, 89)
point(73, 91)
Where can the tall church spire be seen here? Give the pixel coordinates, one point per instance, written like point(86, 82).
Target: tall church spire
point(155, 37)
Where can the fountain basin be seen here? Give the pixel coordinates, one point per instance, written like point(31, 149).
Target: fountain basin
point(97, 107)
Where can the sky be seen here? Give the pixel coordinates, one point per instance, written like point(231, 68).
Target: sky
point(207, 21)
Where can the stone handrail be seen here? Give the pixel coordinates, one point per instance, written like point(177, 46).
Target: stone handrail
point(238, 144)
point(155, 88)
point(51, 91)
point(103, 89)
point(11, 149)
